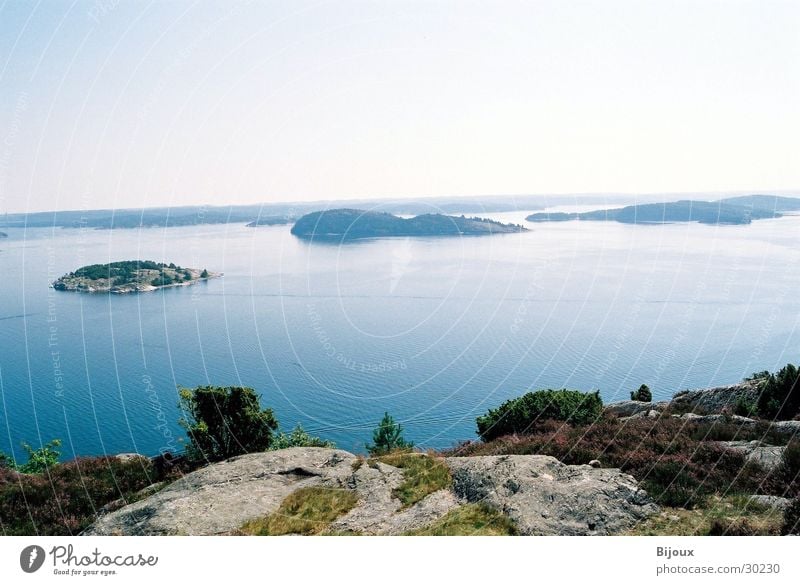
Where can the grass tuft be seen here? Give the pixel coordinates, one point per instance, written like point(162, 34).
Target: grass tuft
point(305, 511)
point(728, 516)
point(422, 475)
point(470, 520)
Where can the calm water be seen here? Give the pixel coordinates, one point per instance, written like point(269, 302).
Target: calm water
point(433, 330)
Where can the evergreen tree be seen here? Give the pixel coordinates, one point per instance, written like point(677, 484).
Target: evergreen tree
point(387, 437)
point(643, 394)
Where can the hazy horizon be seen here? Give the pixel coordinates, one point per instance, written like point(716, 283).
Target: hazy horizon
point(133, 105)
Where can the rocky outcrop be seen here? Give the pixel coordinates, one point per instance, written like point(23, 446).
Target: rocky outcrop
point(775, 502)
point(705, 401)
point(767, 456)
point(542, 495)
point(715, 400)
point(219, 498)
point(546, 497)
point(628, 408)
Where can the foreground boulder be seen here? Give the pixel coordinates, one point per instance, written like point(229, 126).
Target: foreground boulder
point(542, 495)
point(546, 497)
point(221, 497)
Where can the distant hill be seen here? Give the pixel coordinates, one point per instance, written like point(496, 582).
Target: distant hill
point(264, 214)
point(736, 210)
point(3, 235)
point(767, 202)
point(350, 224)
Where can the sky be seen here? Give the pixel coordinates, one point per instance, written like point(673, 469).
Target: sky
point(110, 104)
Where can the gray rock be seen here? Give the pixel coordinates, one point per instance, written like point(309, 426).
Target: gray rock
point(629, 408)
point(125, 457)
point(720, 418)
point(715, 400)
point(776, 502)
point(768, 456)
point(787, 427)
point(220, 498)
point(541, 494)
point(546, 497)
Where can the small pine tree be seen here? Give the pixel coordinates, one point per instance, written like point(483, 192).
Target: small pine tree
point(643, 394)
point(387, 437)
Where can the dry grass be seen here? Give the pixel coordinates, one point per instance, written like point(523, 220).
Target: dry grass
point(305, 511)
point(469, 520)
point(422, 475)
point(728, 516)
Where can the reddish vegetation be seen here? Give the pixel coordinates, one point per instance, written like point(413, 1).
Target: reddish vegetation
point(66, 498)
point(677, 461)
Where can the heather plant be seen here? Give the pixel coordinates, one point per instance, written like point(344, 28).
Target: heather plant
point(68, 496)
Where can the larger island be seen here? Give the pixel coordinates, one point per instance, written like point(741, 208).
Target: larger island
point(130, 276)
point(733, 210)
point(350, 224)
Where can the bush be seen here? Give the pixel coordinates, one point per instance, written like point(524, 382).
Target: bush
point(223, 422)
point(519, 415)
point(388, 437)
point(643, 394)
point(780, 394)
point(42, 459)
point(299, 438)
point(745, 407)
point(791, 518)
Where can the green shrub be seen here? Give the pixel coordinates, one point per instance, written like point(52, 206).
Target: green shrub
point(519, 415)
point(223, 422)
point(6, 462)
point(643, 394)
point(388, 437)
point(780, 394)
point(791, 518)
point(745, 407)
point(42, 459)
point(299, 438)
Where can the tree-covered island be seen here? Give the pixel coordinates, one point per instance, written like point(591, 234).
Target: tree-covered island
point(351, 224)
point(130, 276)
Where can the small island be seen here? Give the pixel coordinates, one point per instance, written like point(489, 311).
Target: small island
point(351, 224)
point(732, 211)
point(130, 276)
point(3, 235)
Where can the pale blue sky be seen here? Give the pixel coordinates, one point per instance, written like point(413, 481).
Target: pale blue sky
point(128, 104)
